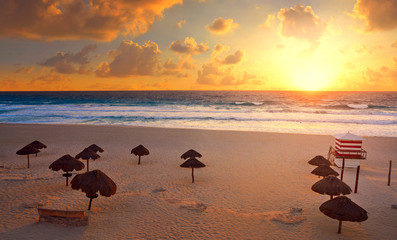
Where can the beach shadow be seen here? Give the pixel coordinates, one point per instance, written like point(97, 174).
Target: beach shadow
point(44, 231)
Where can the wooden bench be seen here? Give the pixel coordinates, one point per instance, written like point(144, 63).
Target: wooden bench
point(71, 218)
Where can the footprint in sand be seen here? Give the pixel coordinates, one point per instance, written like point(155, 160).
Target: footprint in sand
point(189, 205)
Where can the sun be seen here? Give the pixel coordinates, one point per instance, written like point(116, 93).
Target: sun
point(311, 77)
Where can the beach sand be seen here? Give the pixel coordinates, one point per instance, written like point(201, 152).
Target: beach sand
point(252, 188)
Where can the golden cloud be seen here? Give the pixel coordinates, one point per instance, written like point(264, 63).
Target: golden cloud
point(69, 63)
point(220, 71)
point(218, 50)
point(376, 14)
point(180, 24)
point(222, 26)
point(178, 69)
point(189, 46)
point(269, 23)
point(101, 20)
point(52, 82)
point(301, 22)
point(233, 58)
point(394, 44)
point(25, 70)
point(131, 59)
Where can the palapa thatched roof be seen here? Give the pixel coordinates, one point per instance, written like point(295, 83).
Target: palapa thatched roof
point(87, 154)
point(93, 181)
point(28, 149)
point(331, 185)
point(95, 148)
point(324, 170)
point(38, 145)
point(140, 150)
point(343, 209)
point(191, 154)
point(319, 160)
point(67, 163)
point(192, 163)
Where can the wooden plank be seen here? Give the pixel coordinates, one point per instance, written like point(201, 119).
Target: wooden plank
point(61, 213)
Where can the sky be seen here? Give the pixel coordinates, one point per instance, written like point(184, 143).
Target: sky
point(81, 45)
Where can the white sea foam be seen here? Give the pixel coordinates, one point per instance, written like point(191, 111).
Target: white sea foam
point(358, 106)
point(256, 111)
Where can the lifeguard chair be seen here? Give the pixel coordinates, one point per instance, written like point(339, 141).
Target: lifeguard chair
point(349, 147)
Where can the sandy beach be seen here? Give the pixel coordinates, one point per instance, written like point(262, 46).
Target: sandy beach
point(249, 189)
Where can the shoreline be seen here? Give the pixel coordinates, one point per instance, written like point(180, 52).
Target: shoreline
point(172, 128)
point(251, 184)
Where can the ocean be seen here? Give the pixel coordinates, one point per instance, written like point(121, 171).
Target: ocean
point(325, 113)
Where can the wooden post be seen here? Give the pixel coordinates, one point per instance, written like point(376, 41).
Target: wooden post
point(343, 168)
point(357, 174)
point(388, 179)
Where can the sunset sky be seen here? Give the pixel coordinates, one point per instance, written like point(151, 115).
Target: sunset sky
point(198, 45)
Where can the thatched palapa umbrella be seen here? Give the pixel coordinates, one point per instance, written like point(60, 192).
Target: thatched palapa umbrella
point(92, 182)
point(95, 148)
point(343, 209)
point(331, 185)
point(28, 149)
point(192, 163)
point(87, 154)
point(324, 170)
point(191, 154)
point(67, 163)
point(38, 145)
point(319, 160)
point(140, 150)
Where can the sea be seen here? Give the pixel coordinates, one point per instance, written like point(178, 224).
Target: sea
point(324, 113)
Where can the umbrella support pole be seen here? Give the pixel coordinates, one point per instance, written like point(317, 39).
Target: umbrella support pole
point(91, 197)
point(192, 175)
point(340, 226)
point(139, 160)
point(89, 206)
point(357, 174)
point(88, 165)
point(67, 175)
point(343, 169)
point(389, 176)
point(28, 161)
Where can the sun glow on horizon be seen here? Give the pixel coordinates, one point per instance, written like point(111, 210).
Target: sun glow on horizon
point(312, 77)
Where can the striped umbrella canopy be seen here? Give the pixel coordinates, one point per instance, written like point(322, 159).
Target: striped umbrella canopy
point(319, 160)
point(27, 150)
point(343, 209)
point(191, 154)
